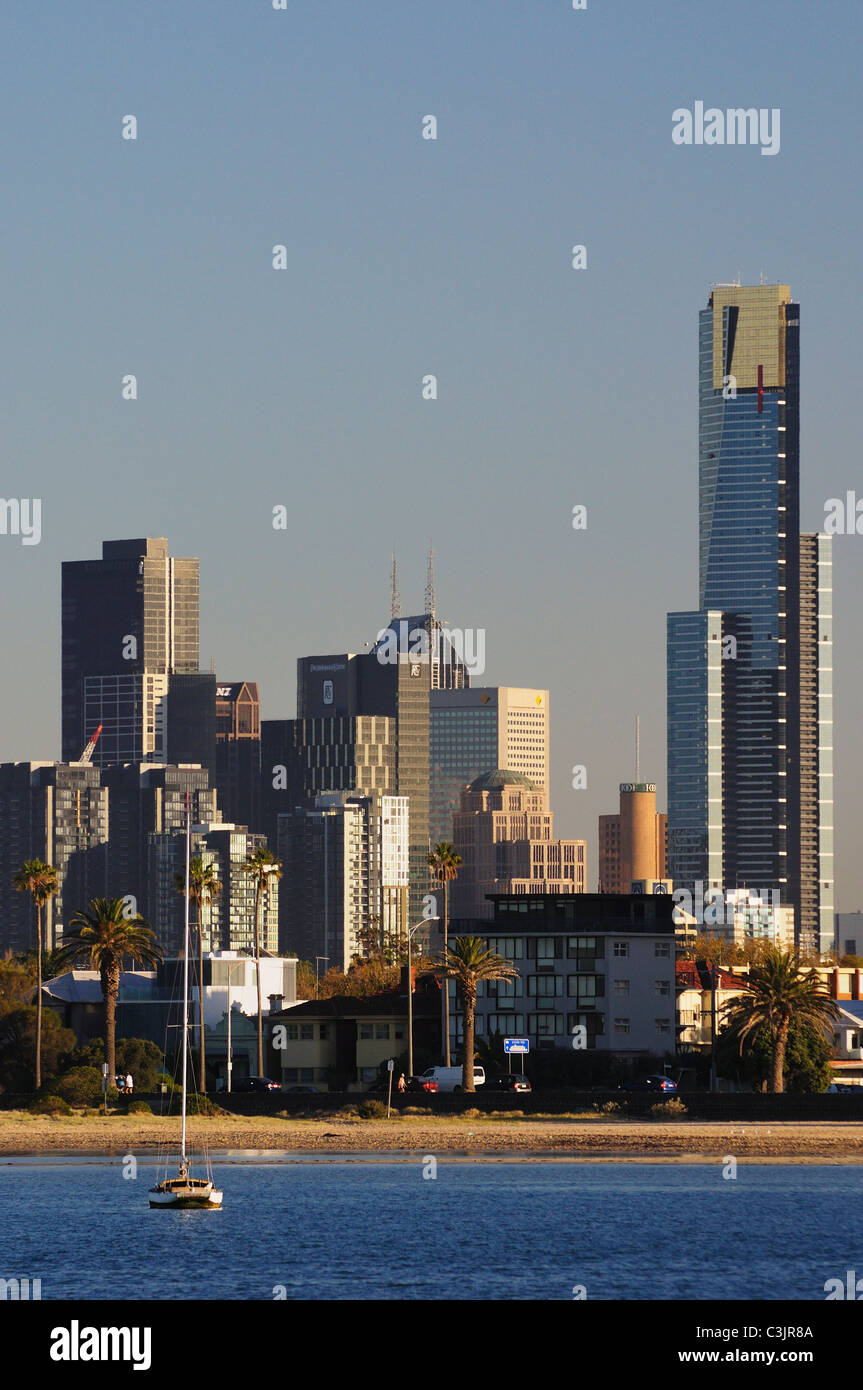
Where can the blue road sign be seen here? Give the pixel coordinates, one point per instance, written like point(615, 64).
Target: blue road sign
point(516, 1045)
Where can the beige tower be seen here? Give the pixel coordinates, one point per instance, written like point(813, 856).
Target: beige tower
point(632, 843)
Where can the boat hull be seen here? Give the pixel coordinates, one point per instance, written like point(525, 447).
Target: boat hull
point(185, 1199)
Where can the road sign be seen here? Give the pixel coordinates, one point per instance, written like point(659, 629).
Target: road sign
point(516, 1045)
point(390, 1064)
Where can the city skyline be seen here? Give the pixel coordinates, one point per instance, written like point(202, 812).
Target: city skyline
point(408, 257)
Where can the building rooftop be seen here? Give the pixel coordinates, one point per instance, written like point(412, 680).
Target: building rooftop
point(491, 781)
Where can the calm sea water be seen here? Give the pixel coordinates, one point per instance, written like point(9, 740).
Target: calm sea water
point(378, 1230)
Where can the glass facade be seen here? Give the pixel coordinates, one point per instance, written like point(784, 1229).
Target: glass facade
point(749, 725)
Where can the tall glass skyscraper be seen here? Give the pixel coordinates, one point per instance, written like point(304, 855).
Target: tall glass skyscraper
point(750, 788)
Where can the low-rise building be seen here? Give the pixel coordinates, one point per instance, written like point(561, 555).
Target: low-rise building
point(339, 1043)
point(604, 961)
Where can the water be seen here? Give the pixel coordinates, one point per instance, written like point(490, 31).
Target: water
point(377, 1229)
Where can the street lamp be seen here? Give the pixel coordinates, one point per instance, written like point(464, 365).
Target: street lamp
point(410, 933)
point(317, 958)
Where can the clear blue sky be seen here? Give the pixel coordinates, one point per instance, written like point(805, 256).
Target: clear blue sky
point(407, 257)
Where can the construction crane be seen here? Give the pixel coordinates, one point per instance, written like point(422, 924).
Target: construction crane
point(87, 755)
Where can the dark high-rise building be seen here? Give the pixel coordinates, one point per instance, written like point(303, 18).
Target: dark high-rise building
point(750, 776)
point(143, 800)
point(238, 752)
point(192, 718)
point(129, 621)
point(57, 812)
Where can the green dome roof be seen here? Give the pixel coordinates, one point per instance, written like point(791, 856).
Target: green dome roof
point(491, 781)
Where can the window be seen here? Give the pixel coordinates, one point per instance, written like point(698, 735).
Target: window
point(621, 987)
point(510, 947)
point(662, 950)
point(366, 1031)
point(546, 985)
point(307, 1031)
point(662, 987)
point(544, 949)
point(382, 1032)
point(545, 1025)
point(620, 949)
point(621, 1025)
point(323, 1031)
point(368, 1073)
point(307, 1073)
point(292, 1032)
point(580, 947)
point(586, 987)
point(850, 948)
point(398, 1032)
point(663, 1025)
point(593, 1022)
point(510, 1025)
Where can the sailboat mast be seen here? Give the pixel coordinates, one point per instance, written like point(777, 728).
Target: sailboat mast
point(186, 980)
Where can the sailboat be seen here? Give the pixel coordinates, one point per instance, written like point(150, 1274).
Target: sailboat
point(184, 1191)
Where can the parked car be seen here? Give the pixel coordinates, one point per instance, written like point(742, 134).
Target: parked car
point(302, 1090)
point(421, 1083)
point(650, 1083)
point(510, 1081)
point(450, 1078)
point(256, 1083)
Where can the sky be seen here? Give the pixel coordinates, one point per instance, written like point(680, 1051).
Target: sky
point(404, 258)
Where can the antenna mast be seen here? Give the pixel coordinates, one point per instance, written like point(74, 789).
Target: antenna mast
point(638, 748)
point(395, 600)
point(430, 594)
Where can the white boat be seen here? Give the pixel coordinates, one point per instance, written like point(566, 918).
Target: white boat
point(184, 1191)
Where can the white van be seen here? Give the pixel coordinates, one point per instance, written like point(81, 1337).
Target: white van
point(450, 1079)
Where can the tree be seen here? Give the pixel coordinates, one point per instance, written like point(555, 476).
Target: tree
point(39, 880)
point(204, 886)
point(104, 936)
point(467, 963)
point(780, 991)
point(445, 862)
point(17, 979)
point(17, 1045)
point(261, 865)
point(143, 1058)
point(807, 1058)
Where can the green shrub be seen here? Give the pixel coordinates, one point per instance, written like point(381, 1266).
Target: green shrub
point(50, 1105)
point(81, 1086)
point(608, 1107)
point(668, 1110)
point(202, 1105)
point(372, 1110)
point(139, 1107)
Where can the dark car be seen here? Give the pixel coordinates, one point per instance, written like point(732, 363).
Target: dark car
point(510, 1081)
point(421, 1083)
point(302, 1090)
point(650, 1083)
point(256, 1083)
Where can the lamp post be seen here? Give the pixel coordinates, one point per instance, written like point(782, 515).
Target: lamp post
point(317, 958)
point(410, 933)
point(230, 964)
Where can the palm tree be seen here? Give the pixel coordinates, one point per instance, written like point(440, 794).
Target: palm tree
point(445, 862)
point(780, 991)
point(261, 864)
point(204, 886)
point(468, 962)
point(104, 936)
point(39, 880)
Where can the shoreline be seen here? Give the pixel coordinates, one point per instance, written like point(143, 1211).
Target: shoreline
point(408, 1138)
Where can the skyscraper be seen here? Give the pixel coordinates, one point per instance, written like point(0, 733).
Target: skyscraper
point(129, 621)
point(750, 786)
point(477, 729)
point(632, 844)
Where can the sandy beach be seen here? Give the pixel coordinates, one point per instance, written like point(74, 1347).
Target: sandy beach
point(599, 1139)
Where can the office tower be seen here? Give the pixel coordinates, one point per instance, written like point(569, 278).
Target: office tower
point(145, 799)
point(504, 832)
point(632, 844)
point(749, 673)
point(129, 621)
point(478, 729)
point(301, 758)
point(57, 812)
point(192, 719)
point(347, 686)
point(228, 921)
point(345, 879)
point(448, 652)
point(238, 752)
